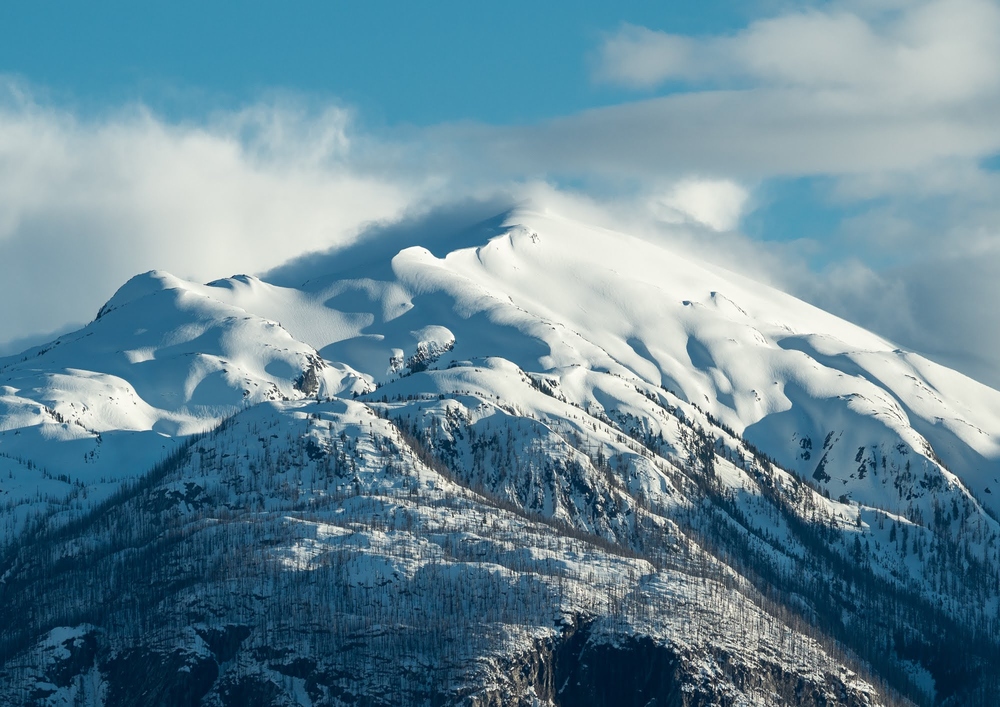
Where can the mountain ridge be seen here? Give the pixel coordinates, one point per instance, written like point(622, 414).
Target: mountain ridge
point(669, 410)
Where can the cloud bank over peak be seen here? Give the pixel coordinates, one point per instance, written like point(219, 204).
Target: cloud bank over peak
point(87, 203)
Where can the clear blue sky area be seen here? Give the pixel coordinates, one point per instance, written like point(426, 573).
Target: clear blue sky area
point(398, 62)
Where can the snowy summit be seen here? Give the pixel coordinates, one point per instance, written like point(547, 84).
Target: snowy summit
point(530, 461)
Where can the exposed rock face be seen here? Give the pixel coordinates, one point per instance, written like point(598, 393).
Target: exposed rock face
point(577, 670)
point(308, 383)
point(573, 669)
point(154, 678)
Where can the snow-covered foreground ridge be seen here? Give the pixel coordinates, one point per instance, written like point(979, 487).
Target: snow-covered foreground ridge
point(653, 410)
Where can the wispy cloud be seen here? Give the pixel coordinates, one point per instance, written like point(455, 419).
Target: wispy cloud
point(925, 53)
point(807, 92)
point(716, 203)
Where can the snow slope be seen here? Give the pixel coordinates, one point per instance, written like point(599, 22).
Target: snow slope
point(548, 295)
point(161, 361)
point(588, 377)
point(827, 399)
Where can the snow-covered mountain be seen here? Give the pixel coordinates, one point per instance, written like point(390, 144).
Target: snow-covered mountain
point(463, 469)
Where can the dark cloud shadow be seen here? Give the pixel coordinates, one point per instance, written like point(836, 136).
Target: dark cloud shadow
point(443, 229)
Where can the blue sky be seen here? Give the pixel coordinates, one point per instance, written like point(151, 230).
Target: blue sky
point(397, 62)
point(845, 151)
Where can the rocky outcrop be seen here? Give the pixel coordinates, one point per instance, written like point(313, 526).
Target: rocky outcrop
point(308, 382)
point(582, 669)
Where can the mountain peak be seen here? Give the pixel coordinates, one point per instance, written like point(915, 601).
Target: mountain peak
point(482, 403)
point(140, 286)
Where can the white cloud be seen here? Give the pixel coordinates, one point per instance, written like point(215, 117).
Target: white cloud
point(716, 203)
point(86, 204)
point(837, 91)
point(928, 53)
point(743, 135)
